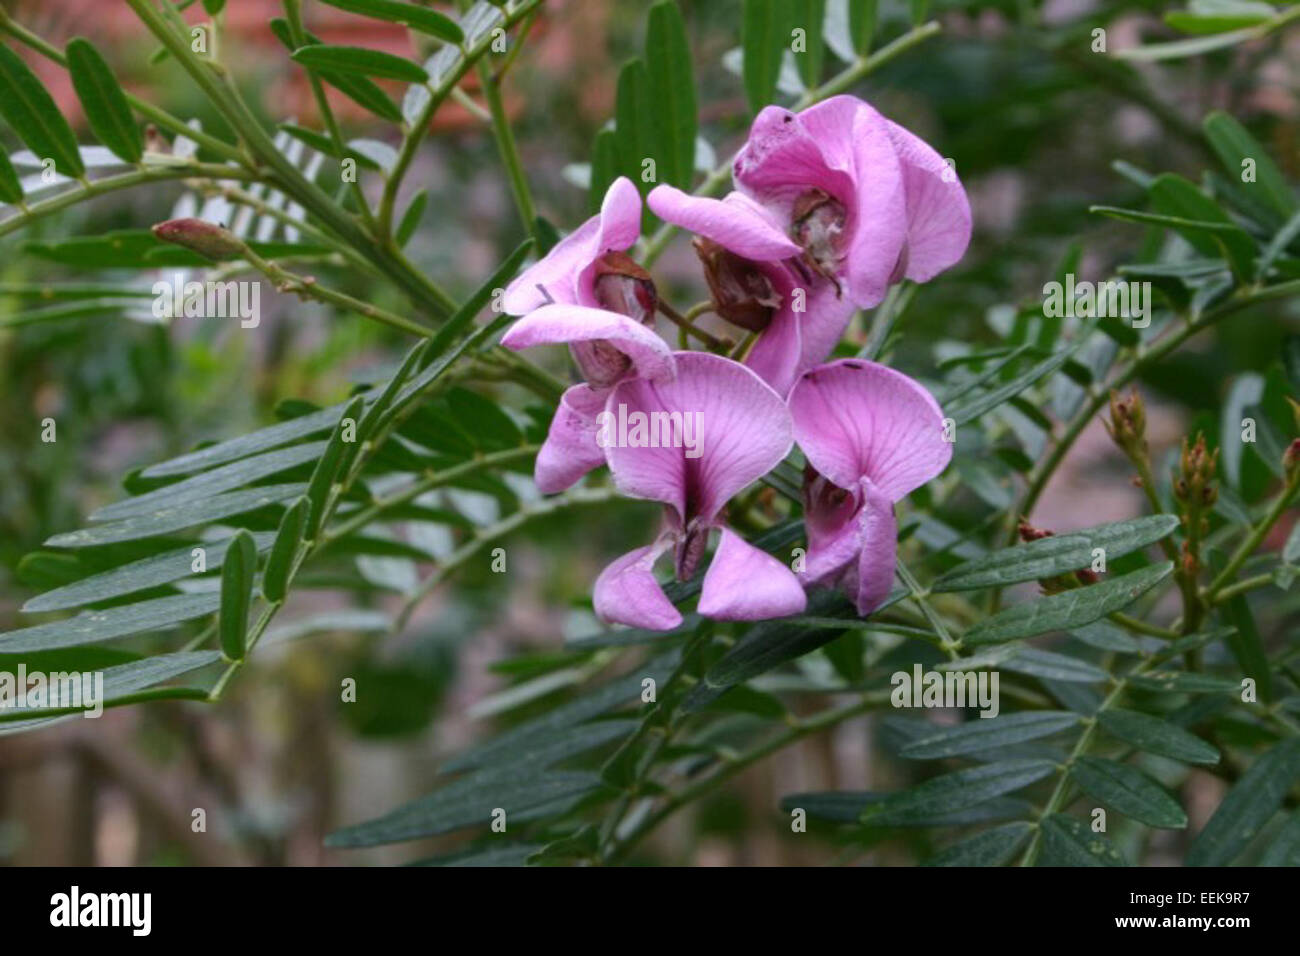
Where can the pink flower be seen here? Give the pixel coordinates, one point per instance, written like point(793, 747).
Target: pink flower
point(588, 294)
point(871, 436)
point(743, 430)
point(836, 201)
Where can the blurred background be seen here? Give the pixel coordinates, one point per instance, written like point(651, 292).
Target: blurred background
point(1008, 90)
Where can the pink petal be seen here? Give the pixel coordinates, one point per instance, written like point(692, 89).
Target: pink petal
point(735, 222)
point(938, 212)
point(570, 449)
point(834, 532)
point(843, 147)
point(856, 419)
point(558, 273)
point(746, 584)
point(796, 341)
point(878, 540)
point(563, 324)
point(627, 593)
point(740, 429)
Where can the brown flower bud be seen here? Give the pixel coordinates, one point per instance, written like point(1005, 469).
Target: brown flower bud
point(1128, 423)
point(624, 287)
point(206, 238)
point(741, 292)
point(1291, 460)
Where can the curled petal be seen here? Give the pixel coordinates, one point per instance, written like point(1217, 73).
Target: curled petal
point(570, 449)
point(878, 537)
point(705, 435)
point(557, 276)
point(856, 419)
point(746, 584)
point(565, 324)
point(796, 341)
point(735, 222)
point(938, 212)
point(628, 593)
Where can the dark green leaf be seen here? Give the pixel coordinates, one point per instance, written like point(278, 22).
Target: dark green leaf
point(11, 189)
point(90, 627)
point(332, 467)
point(956, 791)
point(1156, 736)
point(1249, 805)
point(764, 37)
point(987, 733)
point(103, 100)
point(862, 24)
point(1071, 609)
point(411, 218)
point(672, 94)
point(1129, 791)
point(28, 107)
point(810, 16)
point(360, 61)
point(236, 594)
point(1069, 842)
point(279, 563)
point(417, 18)
point(993, 847)
point(1234, 145)
point(1049, 557)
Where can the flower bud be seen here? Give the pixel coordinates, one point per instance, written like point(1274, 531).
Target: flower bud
point(206, 238)
point(624, 287)
point(741, 292)
point(1291, 461)
point(1128, 423)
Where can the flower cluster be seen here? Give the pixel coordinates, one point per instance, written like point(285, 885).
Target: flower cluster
point(831, 206)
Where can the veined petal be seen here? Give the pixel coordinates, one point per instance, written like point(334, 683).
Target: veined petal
point(570, 449)
point(628, 593)
point(878, 550)
point(735, 222)
point(565, 324)
point(795, 341)
point(724, 426)
point(938, 212)
point(557, 276)
point(856, 419)
point(746, 584)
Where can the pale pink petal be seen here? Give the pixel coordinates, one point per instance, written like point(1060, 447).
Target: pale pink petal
point(834, 532)
point(564, 324)
point(878, 537)
point(938, 212)
point(803, 331)
point(855, 419)
point(739, 429)
point(843, 147)
point(628, 593)
point(774, 356)
point(557, 276)
point(736, 222)
point(570, 449)
point(746, 584)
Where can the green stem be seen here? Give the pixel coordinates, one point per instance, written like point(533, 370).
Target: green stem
point(509, 151)
point(1253, 540)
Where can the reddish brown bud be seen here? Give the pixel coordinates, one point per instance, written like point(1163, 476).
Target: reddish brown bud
point(206, 238)
point(624, 287)
point(741, 292)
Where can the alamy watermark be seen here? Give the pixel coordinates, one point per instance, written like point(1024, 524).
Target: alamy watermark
point(660, 429)
point(57, 690)
point(234, 299)
point(1100, 300)
point(922, 688)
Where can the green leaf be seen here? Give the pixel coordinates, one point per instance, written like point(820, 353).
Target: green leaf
point(1284, 848)
point(764, 37)
point(178, 517)
point(1179, 682)
point(672, 94)
point(1128, 791)
point(980, 404)
point(90, 627)
point(1181, 49)
point(332, 465)
point(604, 167)
point(810, 16)
point(150, 572)
point(987, 733)
point(411, 218)
point(103, 100)
point(236, 594)
point(323, 144)
point(243, 446)
point(993, 847)
point(862, 24)
point(1156, 736)
point(1049, 557)
point(417, 18)
point(493, 855)
point(1069, 842)
point(470, 801)
point(359, 61)
point(1174, 196)
point(205, 485)
point(1050, 666)
point(635, 140)
point(1071, 609)
point(1249, 805)
point(123, 682)
point(11, 189)
point(1247, 646)
point(957, 790)
point(1233, 145)
point(28, 107)
point(1216, 16)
